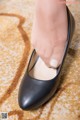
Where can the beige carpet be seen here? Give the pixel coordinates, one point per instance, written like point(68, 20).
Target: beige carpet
point(16, 18)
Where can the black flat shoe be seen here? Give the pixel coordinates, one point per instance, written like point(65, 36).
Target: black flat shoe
point(40, 83)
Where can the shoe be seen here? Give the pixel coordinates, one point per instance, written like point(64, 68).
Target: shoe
point(40, 83)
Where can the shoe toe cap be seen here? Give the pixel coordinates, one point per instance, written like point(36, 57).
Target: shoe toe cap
point(24, 103)
point(32, 93)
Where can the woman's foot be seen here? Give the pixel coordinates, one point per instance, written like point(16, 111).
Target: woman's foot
point(49, 32)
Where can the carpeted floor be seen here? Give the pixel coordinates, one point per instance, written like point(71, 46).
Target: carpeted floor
point(15, 26)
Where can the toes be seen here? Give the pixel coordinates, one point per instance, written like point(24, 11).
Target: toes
point(57, 55)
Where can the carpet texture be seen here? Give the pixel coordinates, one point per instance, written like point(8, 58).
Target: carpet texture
point(16, 17)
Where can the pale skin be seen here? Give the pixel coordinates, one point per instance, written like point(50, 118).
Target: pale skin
point(49, 31)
